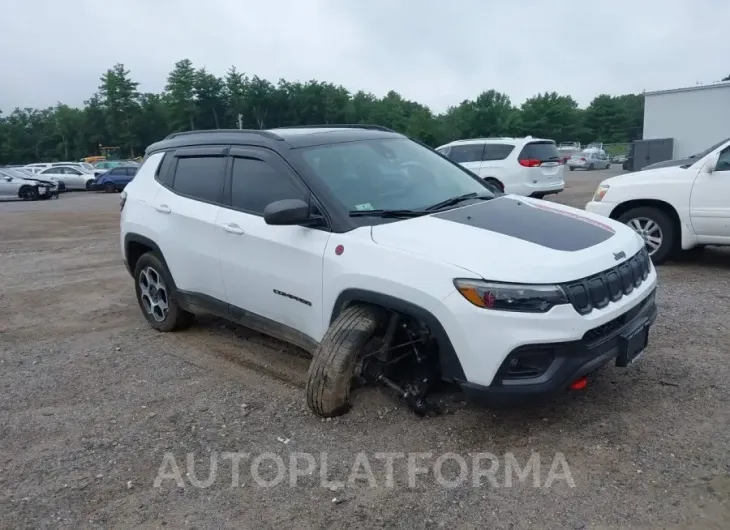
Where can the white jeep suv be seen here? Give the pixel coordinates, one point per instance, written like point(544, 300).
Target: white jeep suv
point(523, 166)
point(673, 208)
point(389, 263)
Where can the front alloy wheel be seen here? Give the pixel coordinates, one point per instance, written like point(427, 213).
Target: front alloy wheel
point(650, 231)
point(656, 228)
point(153, 294)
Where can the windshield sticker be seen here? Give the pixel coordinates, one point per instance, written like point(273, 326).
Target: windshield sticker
point(366, 206)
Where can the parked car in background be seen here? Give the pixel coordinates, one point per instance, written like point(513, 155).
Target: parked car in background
point(619, 159)
point(75, 178)
point(14, 185)
point(37, 167)
point(115, 179)
point(522, 166)
point(672, 208)
point(589, 159)
point(30, 175)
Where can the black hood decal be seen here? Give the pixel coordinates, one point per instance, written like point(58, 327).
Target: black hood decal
point(539, 224)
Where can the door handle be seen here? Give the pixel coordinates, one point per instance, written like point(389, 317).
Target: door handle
point(233, 228)
point(163, 208)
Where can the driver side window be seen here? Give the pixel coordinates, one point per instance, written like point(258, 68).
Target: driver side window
point(723, 162)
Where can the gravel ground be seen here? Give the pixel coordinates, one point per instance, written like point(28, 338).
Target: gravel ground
point(93, 400)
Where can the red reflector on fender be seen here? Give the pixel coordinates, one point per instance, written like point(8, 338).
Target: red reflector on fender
point(579, 384)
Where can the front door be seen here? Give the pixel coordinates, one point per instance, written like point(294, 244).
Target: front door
point(274, 272)
point(710, 202)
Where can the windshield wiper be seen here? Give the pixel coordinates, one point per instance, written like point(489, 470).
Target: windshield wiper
point(387, 213)
point(456, 200)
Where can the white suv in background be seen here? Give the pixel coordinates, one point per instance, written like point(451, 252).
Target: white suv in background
point(523, 166)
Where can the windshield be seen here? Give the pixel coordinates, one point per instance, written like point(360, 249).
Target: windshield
point(12, 172)
point(389, 174)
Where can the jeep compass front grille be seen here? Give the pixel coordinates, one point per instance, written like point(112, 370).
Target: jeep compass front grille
point(611, 285)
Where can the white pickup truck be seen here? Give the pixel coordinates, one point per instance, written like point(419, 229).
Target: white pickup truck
point(672, 208)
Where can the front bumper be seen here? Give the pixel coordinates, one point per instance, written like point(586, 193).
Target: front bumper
point(571, 360)
point(601, 208)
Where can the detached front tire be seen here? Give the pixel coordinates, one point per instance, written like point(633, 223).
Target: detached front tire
point(656, 228)
point(332, 369)
point(154, 287)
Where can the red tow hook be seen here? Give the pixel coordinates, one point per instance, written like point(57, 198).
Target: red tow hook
point(579, 384)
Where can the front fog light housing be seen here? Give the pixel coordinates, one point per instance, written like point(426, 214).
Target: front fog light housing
point(600, 192)
point(511, 296)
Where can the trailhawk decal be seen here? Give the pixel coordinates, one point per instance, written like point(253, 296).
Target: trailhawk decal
point(538, 224)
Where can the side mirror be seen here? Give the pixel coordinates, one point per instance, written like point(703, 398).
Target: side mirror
point(288, 212)
point(710, 164)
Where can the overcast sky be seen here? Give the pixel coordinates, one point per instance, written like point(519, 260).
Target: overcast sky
point(436, 52)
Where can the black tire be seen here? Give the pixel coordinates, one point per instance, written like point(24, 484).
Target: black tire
point(494, 182)
point(669, 241)
point(332, 369)
point(590, 167)
point(571, 168)
point(110, 187)
point(89, 183)
point(176, 317)
point(538, 195)
point(28, 193)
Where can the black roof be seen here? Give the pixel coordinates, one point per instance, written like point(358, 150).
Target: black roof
point(288, 137)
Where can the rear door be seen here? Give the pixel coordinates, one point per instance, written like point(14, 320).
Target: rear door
point(542, 160)
point(494, 162)
point(467, 155)
point(187, 207)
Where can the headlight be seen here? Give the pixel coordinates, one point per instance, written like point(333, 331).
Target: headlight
point(511, 296)
point(600, 192)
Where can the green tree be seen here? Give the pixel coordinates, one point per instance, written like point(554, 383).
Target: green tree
point(118, 95)
point(196, 98)
point(180, 92)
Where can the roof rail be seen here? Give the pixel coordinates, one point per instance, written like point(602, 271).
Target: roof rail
point(338, 126)
point(267, 134)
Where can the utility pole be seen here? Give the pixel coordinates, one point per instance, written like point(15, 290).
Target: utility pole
point(240, 121)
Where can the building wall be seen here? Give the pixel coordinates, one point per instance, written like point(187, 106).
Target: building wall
point(696, 117)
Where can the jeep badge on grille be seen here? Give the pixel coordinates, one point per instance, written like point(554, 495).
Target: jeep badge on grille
point(619, 255)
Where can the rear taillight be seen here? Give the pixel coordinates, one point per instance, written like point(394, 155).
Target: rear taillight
point(582, 159)
point(530, 162)
point(122, 200)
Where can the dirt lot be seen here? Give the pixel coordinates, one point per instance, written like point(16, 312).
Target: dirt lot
point(93, 400)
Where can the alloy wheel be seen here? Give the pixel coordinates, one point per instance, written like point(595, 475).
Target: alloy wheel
point(650, 231)
point(153, 294)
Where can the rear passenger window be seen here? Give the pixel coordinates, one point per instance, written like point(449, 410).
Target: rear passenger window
point(256, 184)
point(497, 151)
point(200, 177)
point(466, 153)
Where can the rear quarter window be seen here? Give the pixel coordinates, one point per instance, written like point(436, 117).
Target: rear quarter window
point(543, 151)
point(497, 151)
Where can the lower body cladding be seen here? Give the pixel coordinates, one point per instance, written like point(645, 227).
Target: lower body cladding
point(521, 358)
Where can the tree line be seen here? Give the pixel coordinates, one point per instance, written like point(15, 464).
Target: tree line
point(119, 115)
